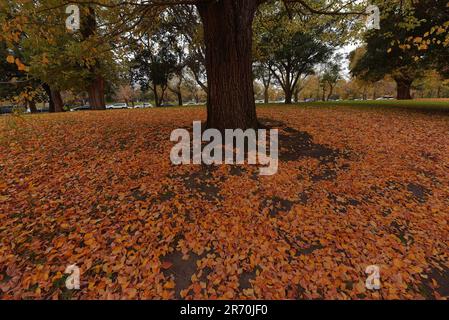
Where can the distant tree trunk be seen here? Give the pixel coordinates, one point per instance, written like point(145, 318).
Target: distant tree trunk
point(156, 96)
point(228, 38)
point(51, 105)
point(177, 90)
point(288, 95)
point(296, 95)
point(56, 103)
point(179, 94)
point(57, 100)
point(365, 92)
point(403, 88)
point(266, 96)
point(95, 92)
point(375, 92)
point(32, 106)
point(163, 97)
point(331, 91)
point(266, 81)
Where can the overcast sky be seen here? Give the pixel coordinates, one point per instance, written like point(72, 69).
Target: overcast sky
point(345, 51)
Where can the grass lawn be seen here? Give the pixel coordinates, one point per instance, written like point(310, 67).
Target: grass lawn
point(355, 187)
point(423, 105)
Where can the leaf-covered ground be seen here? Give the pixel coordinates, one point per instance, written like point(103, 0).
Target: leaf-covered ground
point(97, 189)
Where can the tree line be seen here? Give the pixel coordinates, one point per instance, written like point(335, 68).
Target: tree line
point(217, 47)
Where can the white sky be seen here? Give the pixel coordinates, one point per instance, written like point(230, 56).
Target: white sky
point(345, 51)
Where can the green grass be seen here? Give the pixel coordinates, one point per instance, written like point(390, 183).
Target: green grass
point(409, 104)
point(412, 105)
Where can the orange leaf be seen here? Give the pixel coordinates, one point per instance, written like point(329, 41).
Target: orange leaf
point(166, 265)
point(197, 288)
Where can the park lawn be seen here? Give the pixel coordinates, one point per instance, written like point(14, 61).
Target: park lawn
point(420, 105)
point(355, 187)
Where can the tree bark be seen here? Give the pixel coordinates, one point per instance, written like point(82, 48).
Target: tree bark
point(266, 81)
point(331, 92)
point(296, 95)
point(288, 95)
point(95, 92)
point(32, 106)
point(266, 96)
point(403, 89)
point(228, 37)
point(55, 103)
point(177, 90)
point(51, 105)
point(57, 100)
point(95, 89)
point(180, 102)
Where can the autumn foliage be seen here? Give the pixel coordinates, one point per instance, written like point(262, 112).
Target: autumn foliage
point(355, 187)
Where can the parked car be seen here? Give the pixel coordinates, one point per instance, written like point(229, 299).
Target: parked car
point(6, 109)
point(167, 104)
point(386, 98)
point(81, 108)
point(143, 105)
point(117, 106)
point(190, 103)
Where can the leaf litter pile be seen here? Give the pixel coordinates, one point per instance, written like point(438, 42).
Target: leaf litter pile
point(97, 189)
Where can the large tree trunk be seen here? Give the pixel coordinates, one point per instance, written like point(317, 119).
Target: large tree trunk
point(96, 94)
point(228, 37)
point(95, 88)
point(403, 89)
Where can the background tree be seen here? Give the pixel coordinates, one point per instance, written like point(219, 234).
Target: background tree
point(153, 66)
point(331, 75)
point(404, 63)
point(58, 59)
point(428, 21)
point(227, 34)
point(127, 94)
point(292, 47)
point(262, 71)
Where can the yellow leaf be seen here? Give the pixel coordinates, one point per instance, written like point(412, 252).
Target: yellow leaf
point(10, 59)
point(169, 285)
